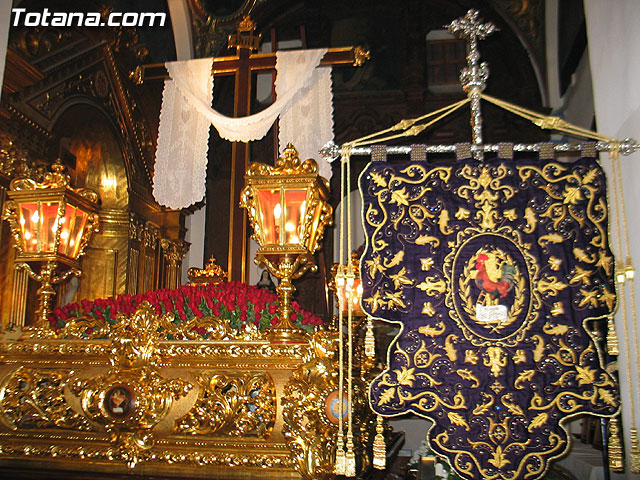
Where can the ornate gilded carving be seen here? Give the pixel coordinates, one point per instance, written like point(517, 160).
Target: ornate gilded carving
point(36, 42)
point(234, 405)
point(211, 273)
point(260, 351)
point(14, 162)
point(136, 228)
point(148, 394)
point(174, 251)
point(239, 458)
point(211, 31)
point(132, 397)
point(34, 398)
point(150, 236)
point(309, 431)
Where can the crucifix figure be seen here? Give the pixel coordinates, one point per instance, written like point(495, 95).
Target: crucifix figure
point(474, 76)
point(242, 65)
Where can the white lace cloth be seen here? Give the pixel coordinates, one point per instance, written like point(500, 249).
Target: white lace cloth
point(183, 140)
point(295, 69)
point(307, 122)
point(181, 155)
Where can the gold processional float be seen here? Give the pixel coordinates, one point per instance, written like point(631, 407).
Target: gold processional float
point(134, 383)
point(215, 378)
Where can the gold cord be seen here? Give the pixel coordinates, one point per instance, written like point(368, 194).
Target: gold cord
point(626, 272)
point(340, 465)
point(350, 463)
point(546, 121)
point(409, 126)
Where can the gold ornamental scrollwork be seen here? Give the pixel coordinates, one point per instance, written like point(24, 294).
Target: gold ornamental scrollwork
point(198, 328)
point(34, 398)
point(238, 406)
point(309, 432)
point(132, 398)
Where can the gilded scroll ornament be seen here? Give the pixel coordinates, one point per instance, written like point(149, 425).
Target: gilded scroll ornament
point(310, 422)
point(132, 397)
point(243, 405)
point(34, 399)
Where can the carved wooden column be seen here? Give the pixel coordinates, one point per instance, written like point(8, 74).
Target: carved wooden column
point(149, 271)
point(174, 252)
point(136, 229)
point(19, 298)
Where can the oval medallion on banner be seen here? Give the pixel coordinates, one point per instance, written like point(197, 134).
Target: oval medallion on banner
point(491, 287)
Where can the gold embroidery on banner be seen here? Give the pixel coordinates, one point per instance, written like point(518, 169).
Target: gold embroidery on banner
point(565, 199)
point(494, 287)
point(496, 359)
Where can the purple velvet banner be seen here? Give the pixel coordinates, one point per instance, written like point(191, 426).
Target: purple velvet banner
point(492, 270)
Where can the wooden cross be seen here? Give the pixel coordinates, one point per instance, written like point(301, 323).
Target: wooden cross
point(242, 65)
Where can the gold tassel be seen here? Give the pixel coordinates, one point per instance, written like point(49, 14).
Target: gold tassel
point(635, 452)
point(340, 456)
point(370, 341)
point(350, 459)
point(612, 338)
point(615, 447)
point(379, 447)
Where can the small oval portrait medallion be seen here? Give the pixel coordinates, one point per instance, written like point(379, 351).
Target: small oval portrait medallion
point(332, 407)
point(119, 401)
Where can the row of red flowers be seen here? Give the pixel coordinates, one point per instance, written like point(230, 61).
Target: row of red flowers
point(235, 301)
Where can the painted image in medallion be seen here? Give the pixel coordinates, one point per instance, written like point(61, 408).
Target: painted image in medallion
point(119, 401)
point(491, 287)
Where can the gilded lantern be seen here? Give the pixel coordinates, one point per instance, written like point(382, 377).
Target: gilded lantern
point(287, 204)
point(288, 209)
point(51, 224)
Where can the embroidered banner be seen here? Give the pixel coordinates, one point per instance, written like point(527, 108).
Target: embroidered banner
point(492, 270)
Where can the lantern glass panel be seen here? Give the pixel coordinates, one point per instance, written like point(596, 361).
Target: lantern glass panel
point(38, 221)
point(49, 225)
point(269, 215)
point(71, 228)
point(351, 292)
point(295, 202)
point(29, 220)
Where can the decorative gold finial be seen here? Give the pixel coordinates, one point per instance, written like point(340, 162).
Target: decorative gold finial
point(245, 38)
point(246, 24)
point(360, 56)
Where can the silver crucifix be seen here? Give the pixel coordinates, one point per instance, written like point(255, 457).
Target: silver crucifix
point(474, 76)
